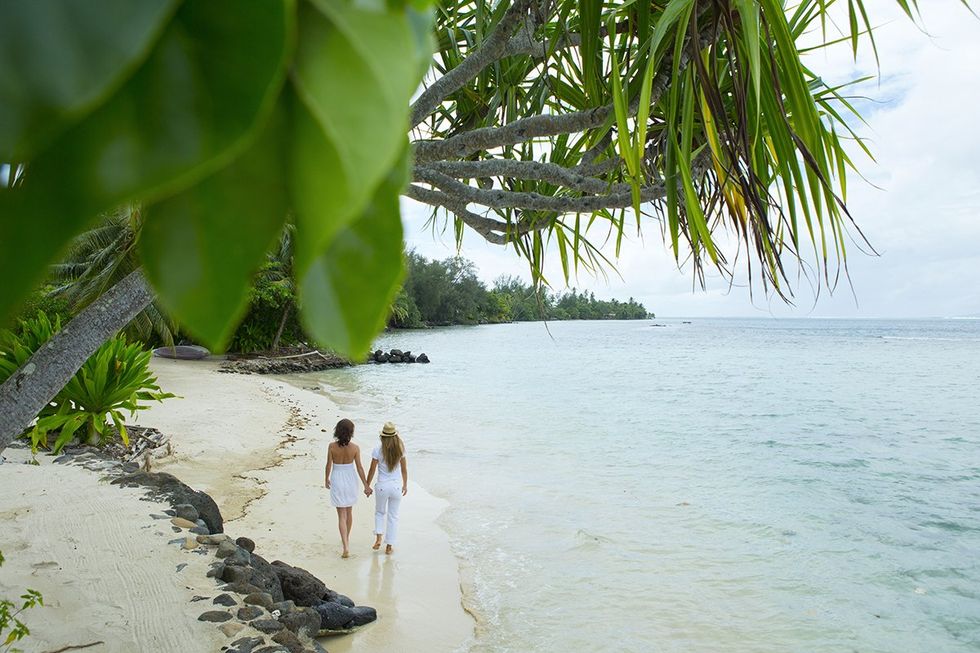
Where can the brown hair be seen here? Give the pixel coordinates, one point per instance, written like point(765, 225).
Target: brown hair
point(343, 432)
point(392, 450)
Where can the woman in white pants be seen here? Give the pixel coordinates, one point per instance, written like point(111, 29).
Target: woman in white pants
point(388, 459)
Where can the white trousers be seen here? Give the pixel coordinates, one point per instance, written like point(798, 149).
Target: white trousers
point(387, 500)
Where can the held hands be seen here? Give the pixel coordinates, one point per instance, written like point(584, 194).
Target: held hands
point(368, 491)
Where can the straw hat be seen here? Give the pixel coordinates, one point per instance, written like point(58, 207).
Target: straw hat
point(389, 430)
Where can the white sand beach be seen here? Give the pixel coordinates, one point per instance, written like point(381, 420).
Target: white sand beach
point(256, 445)
point(104, 566)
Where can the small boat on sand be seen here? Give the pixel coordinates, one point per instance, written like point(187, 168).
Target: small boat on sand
point(182, 352)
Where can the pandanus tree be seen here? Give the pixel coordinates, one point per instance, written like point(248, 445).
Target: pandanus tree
point(540, 124)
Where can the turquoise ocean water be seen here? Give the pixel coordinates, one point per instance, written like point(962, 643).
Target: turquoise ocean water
point(707, 485)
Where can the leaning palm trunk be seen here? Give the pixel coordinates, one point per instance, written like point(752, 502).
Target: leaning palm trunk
point(282, 326)
point(26, 392)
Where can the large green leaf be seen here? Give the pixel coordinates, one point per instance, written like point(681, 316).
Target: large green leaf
point(185, 113)
point(61, 58)
point(320, 185)
point(202, 247)
point(346, 292)
point(355, 72)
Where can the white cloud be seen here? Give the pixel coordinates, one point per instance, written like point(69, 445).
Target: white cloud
point(924, 219)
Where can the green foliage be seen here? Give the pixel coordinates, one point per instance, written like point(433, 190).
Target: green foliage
point(92, 55)
point(12, 629)
point(102, 257)
point(17, 348)
point(206, 218)
point(444, 292)
point(346, 292)
point(405, 312)
point(272, 319)
point(296, 111)
point(706, 116)
point(175, 107)
point(45, 300)
point(113, 380)
point(270, 302)
point(440, 293)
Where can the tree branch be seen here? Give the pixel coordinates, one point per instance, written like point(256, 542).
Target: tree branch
point(519, 131)
point(502, 199)
point(515, 169)
point(524, 43)
point(526, 129)
point(491, 50)
point(484, 226)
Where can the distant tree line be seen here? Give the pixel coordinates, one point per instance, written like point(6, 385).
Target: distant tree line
point(442, 293)
point(434, 293)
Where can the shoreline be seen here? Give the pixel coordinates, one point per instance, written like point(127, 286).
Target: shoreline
point(256, 445)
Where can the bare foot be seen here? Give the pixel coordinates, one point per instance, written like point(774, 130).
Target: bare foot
point(377, 544)
point(388, 550)
point(345, 554)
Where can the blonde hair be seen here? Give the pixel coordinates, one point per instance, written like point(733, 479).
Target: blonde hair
point(392, 450)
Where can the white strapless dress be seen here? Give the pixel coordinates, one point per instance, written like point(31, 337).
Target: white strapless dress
point(343, 485)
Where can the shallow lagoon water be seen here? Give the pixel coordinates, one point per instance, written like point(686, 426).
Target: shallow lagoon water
point(707, 485)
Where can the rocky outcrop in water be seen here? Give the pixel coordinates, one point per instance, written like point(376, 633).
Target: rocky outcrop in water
point(396, 356)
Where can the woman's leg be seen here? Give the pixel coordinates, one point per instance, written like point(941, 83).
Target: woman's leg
point(350, 521)
point(380, 508)
point(342, 525)
point(391, 530)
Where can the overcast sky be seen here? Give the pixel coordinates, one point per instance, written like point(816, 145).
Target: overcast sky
point(923, 219)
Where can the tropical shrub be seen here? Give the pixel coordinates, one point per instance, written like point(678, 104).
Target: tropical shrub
point(13, 629)
point(113, 380)
point(404, 313)
point(271, 311)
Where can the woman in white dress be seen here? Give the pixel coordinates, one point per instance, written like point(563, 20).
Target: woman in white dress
point(388, 459)
point(340, 477)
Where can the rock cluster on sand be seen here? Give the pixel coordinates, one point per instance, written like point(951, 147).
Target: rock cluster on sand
point(397, 356)
point(269, 607)
point(314, 361)
point(169, 488)
point(286, 604)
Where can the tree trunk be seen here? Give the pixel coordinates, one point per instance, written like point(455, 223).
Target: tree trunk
point(30, 388)
point(282, 325)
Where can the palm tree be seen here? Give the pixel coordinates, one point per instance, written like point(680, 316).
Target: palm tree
point(99, 259)
point(278, 271)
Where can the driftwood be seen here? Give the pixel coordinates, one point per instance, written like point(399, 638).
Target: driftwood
point(75, 647)
point(146, 448)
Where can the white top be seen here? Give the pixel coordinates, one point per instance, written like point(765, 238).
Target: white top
point(386, 475)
